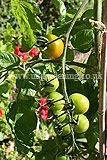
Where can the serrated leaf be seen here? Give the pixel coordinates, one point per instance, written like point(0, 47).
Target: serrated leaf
point(82, 41)
point(9, 60)
point(62, 8)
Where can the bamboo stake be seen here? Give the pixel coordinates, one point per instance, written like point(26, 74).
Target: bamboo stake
point(102, 145)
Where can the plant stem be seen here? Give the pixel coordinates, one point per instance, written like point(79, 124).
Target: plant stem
point(60, 61)
point(63, 66)
point(65, 50)
point(97, 17)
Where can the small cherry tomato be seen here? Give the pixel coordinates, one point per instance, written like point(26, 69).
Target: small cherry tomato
point(55, 49)
point(50, 83)
point(83, 123)
point(57, 101)
point(80, 102)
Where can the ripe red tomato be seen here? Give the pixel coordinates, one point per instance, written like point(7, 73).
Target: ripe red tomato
point(80, 102)
point(55, 49)
point(83, 124)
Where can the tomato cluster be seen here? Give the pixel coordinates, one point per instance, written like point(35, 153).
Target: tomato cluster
point(58, 107)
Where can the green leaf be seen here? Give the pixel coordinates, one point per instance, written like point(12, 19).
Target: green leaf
point(9, 34)
point(25, 126)
point(27, 21)
point(21, 146)
point(35, 23)
point(48, 152)
point(72, 81)
point(82, 41)
point(31, 81)
point(4, 88)
point(62, 8)
point(21, 106)
point(27, 40)
point(34, 7)
point(9, 60)
point(92, 135)
point(88, 14)
point(1, 136)
point(70, 55)
point(60, 30)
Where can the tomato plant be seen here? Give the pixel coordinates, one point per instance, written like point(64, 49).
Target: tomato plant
point(49, 79)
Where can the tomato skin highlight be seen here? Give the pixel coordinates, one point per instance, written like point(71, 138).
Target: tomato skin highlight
point(55, 49)
point(83, 124)
point(80, 102)
point(53, 83)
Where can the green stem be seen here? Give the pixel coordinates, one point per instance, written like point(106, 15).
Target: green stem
point(60, 61)
point(64, 62)
point(66, 43)
point(97, 17)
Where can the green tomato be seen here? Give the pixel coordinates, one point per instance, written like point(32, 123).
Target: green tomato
point(66, 130)
point(50, 83)
point(59, 112)
point(54, 96)
point(80, 102)
point(83, 124)
point(62, 157)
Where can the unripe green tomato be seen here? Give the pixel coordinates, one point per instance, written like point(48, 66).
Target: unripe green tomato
point(80, 102)
point(54, 96)
point(59, 112)
point(83, 124)
point(55, 49)
point(52, 85)
point(66, 130)
point(62, 157)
